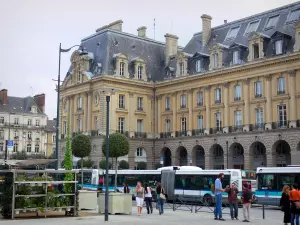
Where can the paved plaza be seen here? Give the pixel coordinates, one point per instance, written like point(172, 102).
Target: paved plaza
point(273, 217)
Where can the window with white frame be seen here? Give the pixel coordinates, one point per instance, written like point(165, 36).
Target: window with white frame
point(258, 89)
point(1, 120)
point(200, 98)
point(139, 152)
point(139, 126)
point(235, 57)
point(181, 68)
point(79, 77)
point(293, 16)
point(168, 125)
point(53, 138)
point(238, 118)
point(37, 123)
point(167, 104)
point(281, 86)
point(16, 145)
point(79, 125)
point(65, 127)
point(29, 135)
point(183, 101)
point(272, 22)
point(29, 122)
point(232, 33)
point(122, 68)
point(16, 133)
point(122, 101)
point(140, 72)
point(278, 47)
point(183, 124)
point(1, 146)
point(140, 104)
point(218, 97)
point(237, 92)
point(259, 117)
point(28, 148)
point(198, 66)
point(255, 51)
point(16, 121)
point(215, 64)
point(121, 125)
point(200, 122)
point(96, 122)
point(37, 148)
point(1, 134)
point(282, 118)
point(79, 103)
point(252, 27)
point(219, 121)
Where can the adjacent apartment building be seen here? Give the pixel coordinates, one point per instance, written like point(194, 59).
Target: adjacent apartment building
point(230, 98)
point(23, 120)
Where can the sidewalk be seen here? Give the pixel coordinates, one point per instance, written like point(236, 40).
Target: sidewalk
point(169, 218)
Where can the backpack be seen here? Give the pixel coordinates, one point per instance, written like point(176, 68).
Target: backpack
point(212, 188)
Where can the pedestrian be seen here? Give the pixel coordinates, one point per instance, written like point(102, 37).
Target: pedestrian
point(295, 199)
point(285, 204)
point(232, 200)
point(148, 199)
point(160, 198)
point(126, 189)
point(218, 196)
point(140, 195)
point(247, 198)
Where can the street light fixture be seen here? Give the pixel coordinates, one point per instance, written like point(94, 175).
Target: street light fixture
point(83, 52)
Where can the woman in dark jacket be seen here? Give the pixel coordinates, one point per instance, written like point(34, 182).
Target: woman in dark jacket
point(285, 204)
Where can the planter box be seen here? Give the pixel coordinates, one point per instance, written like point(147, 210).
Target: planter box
point(117, 203)
point(87, 200)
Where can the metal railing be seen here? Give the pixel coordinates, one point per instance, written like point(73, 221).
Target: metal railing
point(165, 135)
point(217, 130)
point(198, 132)
point(238, 128)
point(140, 134)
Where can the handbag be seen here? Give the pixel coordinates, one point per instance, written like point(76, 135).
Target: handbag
point(162, 195)
point(297, 204)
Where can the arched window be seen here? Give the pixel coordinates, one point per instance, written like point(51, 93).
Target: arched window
point(28, 148)
point(37, 148)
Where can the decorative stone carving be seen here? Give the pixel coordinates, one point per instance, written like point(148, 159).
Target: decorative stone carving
point(208, 87)
point(246, 81)
point(292, 73)
point(226, 84)
point(268, 77)
point(131, 94)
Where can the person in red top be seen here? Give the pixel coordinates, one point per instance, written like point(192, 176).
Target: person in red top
point(294, 197)
point(247, 197)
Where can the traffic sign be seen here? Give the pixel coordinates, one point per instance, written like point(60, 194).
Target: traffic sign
point(10, 145)
point(161, 160)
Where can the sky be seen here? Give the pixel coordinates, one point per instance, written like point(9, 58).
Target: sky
point(31, 30)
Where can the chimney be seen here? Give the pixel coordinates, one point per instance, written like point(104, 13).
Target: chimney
point(225, 21)
point(117, 25)
point(142, 31)
point(171, 46)
point(40, 101)
point(206, 28)
point(3, 96)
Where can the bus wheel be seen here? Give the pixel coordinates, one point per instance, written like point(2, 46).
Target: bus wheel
point(207, 200)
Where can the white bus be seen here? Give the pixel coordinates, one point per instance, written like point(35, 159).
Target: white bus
point(270, 181)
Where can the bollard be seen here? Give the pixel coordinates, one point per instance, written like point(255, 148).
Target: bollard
point(263, 211)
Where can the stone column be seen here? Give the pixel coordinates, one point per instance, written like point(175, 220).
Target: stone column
point(293, 102)
point(149, 111)
point(174, 108)
point(268, 108)
point(226, 108)
point(158, 115)
point(190, 105)
point(89, 111)
point(207, 105)
point(246, 94)
point(131, 110)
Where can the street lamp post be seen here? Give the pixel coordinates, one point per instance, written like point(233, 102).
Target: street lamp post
point(107, 157)
point(227, 153)
point(6, 143)
point(58, 96)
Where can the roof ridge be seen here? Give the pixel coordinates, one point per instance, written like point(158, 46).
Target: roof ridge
point(253, 16)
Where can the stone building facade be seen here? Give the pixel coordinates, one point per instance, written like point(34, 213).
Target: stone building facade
point(229, 99)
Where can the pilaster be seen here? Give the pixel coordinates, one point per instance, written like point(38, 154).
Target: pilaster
point(293, 102)
point(131, 110)
point(174, 108)
point(89, 112)
point(159, 114)
point(190, 105)
point(226, 108)
point(269, 102)
point(207, 107)
point(246, 95)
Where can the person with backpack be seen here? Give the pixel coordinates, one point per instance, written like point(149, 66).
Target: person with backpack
point(232, 200)
point(218, 195)
point(247, 198)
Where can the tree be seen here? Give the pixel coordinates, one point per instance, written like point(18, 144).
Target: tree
point(157, 165)
point(142, 166)
point(86, 163)
point(123, 165)
point(81, 147)
point(20, 155)
point(102, 164)
point(68, 163)
point(118, 146)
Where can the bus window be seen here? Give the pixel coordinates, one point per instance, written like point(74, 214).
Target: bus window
point(287, 179)
point(267, 182)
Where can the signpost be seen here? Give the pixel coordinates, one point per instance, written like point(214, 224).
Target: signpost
point(161, 160)
point(10, 145)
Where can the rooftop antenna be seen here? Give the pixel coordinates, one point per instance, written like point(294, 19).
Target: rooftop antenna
point(154, 28)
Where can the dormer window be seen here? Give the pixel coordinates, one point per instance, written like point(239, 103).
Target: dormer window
point(293, 16)
point(140, 72)
point(79, 77)
point(255, 51)
point(122, 68)
point(232, 33)
point(271, 22)
point(33, 109)
point(198, 66)
point(278, 47)
point(252, 27)
point(215, 60)
point(235, 57)
point(181, 67)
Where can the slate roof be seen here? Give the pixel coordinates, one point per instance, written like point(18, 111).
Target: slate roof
point(19, 105)
point(51, 126)
point(106, 43)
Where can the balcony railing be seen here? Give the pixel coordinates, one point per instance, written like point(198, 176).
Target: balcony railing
point(167, 109)
point(126, 133)
point(238, 128)
point(257, 95)
point(198, 132)
point(217, 130)
point(165, 135)
point(199, 103)
point(140, 109)
point(298, 123)
point(218, 101)
point(181, 133)
point(237, 99)
point(183, 106)
point(121, 106)
point(281, 124)
point(259, 126)
point(140, 134)
point(16, 138)
point(280, 92)
point(94, 133)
